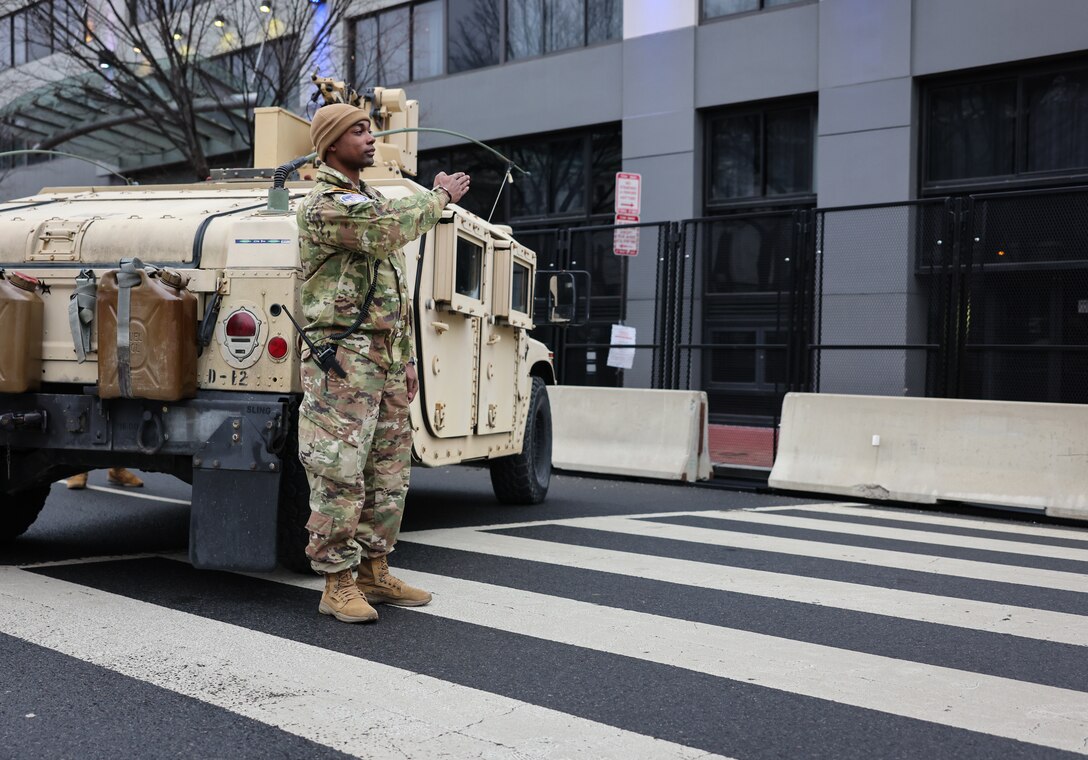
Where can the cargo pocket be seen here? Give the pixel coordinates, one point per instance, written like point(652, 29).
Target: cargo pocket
point(326, 455)
point(319, 524)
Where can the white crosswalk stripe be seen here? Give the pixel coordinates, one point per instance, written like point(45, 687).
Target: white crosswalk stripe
point(1007, 546)
point(302, 689)
point(923, 563)
point(1042, 715)
point(312, 692)
point(1045, 625)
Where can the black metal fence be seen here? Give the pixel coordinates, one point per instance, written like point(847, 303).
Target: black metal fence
point(982, 296)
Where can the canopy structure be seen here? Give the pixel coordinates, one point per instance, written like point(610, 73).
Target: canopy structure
point(80, 115)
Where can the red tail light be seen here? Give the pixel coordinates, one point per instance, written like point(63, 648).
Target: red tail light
point(241, 324)
point(277, 347)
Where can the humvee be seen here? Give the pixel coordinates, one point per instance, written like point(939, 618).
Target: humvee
point(195, 370)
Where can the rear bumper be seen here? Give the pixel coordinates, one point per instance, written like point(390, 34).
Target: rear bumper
point(57, 433)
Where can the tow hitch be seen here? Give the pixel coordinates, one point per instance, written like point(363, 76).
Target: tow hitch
point(36, 420)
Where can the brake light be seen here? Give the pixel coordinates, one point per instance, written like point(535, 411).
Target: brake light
point(241, 324)
point(241, 331)
point(277, 347)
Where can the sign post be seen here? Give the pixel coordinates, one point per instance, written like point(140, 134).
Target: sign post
point(628, 211)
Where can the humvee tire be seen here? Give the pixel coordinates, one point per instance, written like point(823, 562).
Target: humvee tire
point(523, 478)
point(20, 510)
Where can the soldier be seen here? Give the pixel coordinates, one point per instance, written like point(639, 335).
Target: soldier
point(355, 435)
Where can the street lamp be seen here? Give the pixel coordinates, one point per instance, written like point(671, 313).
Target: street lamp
point(219, 21)
point(265, 7)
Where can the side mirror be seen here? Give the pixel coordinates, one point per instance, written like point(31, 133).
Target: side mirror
point(562, 298)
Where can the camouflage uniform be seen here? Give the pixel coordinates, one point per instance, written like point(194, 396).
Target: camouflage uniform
point(355, 436)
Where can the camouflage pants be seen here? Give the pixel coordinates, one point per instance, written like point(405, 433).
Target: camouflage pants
point(355, 443)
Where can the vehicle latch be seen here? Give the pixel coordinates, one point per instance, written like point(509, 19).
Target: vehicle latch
point(36, 420)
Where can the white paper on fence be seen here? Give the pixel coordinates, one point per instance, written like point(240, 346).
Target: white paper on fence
point(623, 358)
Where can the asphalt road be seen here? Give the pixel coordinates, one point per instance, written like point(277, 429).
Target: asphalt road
point(619, 619)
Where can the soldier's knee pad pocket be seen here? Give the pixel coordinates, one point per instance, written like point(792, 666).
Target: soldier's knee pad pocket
point(325, 454)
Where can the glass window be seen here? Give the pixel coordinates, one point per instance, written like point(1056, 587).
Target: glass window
point(971, 131)
point(519, 291)
point(5, 42)
point(470, 260)
point(525, 21)
point(735, 154)
point(758, 153)
point(605, 20)
point(716, 8)
point(427, 35)
point(564, 24)
point(19, 38)
point(473, 34)
point(789, 152)
point(1056, 120)
point(394, 28)
point(39, 38)
point(366, 53)
point(563, 170)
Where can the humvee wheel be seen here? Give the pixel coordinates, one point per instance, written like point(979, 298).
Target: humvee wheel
point(20, 510)
point(523, 478)
point(294, 506)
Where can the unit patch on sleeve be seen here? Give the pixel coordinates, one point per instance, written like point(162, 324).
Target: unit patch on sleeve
point(350, 199)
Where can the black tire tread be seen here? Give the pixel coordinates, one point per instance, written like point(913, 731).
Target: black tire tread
point(513, 478)
point(293, 511)
point(20, 510)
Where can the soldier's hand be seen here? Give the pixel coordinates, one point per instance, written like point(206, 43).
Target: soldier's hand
point(455, 184)
point(412, 381)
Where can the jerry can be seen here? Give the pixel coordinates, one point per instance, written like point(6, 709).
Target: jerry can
point(21, 313)
point(152, 354)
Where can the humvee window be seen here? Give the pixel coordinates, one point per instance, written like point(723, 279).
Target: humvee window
point(519, 295)
point(470, 259)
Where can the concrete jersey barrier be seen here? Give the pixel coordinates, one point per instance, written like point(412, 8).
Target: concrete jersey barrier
point(630, 431)
point(923, 450)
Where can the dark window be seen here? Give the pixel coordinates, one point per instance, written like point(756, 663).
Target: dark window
point(473, 34)
point(1025, 127)
point(470, 260)
point(260, 69)
point(760, 152)
point(572, 176)
point(427, 39)
point(1056, 121)
point(972, 131)
point(716, 8)
point(519, 289)
point(5, 42)
point(398, 45)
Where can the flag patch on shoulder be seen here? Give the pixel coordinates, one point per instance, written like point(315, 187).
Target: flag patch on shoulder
point(350, 199)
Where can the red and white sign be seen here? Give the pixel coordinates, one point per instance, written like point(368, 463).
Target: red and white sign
point(625, 239)
point(628, 194)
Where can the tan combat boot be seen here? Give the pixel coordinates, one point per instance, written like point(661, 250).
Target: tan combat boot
point(78, 481)
point(344, 601)
point(119, 476)
point(380, 587)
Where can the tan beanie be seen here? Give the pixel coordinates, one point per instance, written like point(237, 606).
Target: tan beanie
point(330, 122)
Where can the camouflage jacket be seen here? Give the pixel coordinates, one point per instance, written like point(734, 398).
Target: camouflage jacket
point(345, 230)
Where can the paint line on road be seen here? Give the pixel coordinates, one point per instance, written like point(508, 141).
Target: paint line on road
point(993, 525)
point(1007, 546)
point(133, 494)
point(1043, 625)
point(303, 689)
point(1028, 712)
point(924, 563)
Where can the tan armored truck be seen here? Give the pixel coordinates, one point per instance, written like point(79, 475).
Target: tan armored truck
point(148, 326)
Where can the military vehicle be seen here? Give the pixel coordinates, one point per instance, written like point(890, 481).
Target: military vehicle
point(189, 363)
